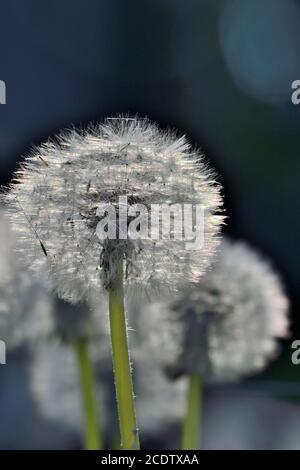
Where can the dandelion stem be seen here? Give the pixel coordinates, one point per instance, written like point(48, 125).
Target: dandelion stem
point(93, 438)
point(121, 363)
point(191, 425)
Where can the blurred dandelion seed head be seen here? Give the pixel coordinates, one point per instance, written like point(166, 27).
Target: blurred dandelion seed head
point(54, 198)
point(228, 324)
point(54, 383)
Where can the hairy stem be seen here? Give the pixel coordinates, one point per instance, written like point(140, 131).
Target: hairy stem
point(191, 425)
point(121, 363)
point(93, 438)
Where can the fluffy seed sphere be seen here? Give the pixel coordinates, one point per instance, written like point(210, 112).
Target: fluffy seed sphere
point(26, 307)
point(56, 194)
point(30, 313)
point(226, 326)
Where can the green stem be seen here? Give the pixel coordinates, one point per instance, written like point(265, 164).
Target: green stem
point(93, 440)
point(121, 363)
point(191, 425)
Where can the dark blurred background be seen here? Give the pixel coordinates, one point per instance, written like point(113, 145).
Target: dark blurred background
point(219, 71)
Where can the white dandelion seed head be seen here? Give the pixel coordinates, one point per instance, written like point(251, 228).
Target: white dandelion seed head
point(25, 305)
point(54, 198)
point(227, 326)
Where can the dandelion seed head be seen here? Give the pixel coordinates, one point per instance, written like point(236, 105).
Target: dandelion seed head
point(227, 326)
point(54, 198)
